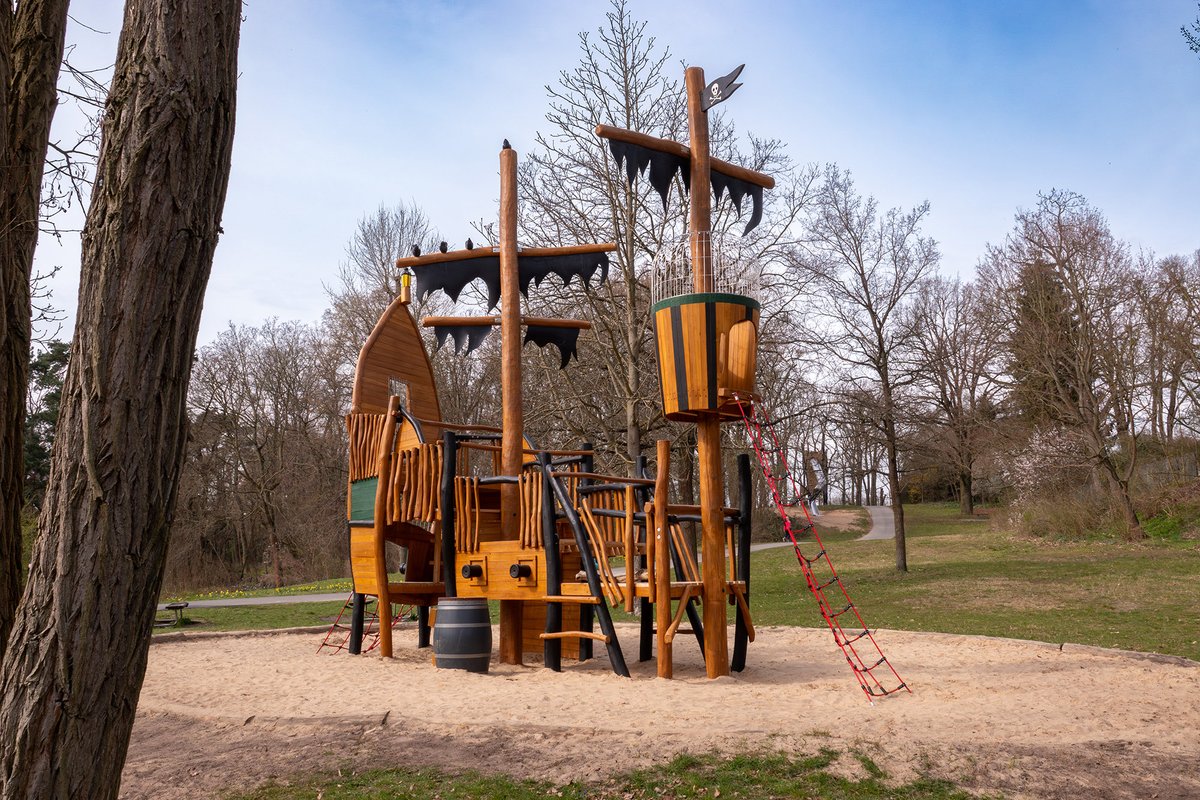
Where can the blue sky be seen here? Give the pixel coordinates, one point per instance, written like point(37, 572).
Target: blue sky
point(975, 106)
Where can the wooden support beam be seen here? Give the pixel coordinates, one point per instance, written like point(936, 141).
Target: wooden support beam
point(683, 151)
point(512, 413)
point(739, 592)
point(688, 593)
point(708, 428)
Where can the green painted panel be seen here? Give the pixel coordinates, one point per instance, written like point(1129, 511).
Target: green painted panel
point(362, 500)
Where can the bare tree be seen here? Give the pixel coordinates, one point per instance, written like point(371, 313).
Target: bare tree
point(31, 48)
point(956, 365)
point(1071, 333)
point(77, 654)
point(367, 280)
point(1192, 37)
point(864, 268)
point(1171, 310)
point(266, 467)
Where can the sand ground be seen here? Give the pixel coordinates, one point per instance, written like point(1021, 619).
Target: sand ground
point(1023, 718)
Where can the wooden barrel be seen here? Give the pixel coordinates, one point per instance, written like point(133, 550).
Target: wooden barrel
point(462, 634)
point(706, 343)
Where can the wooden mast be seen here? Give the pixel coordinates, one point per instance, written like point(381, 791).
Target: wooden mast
point(708, 428)
point(512, 439)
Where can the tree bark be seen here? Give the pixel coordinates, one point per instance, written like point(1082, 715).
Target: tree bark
point(893, 467)
point(77, 656)
point(966, 502)
point(31, 49)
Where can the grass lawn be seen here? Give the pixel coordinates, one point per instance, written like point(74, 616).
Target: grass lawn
point(748, 776)
point(964, 576)
point(253, 618)
point(327, 586)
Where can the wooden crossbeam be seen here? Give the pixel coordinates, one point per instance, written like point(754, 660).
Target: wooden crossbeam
point(484, 251)
point(683, 151)
point(493, 319)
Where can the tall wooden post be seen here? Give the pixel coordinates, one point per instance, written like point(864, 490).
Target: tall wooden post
point(511, 443)
point(700, 213)
point(708, 428)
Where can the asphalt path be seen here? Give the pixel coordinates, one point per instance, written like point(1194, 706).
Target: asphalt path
point(883, 525)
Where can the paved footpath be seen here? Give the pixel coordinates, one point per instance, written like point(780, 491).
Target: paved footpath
point(883, 525)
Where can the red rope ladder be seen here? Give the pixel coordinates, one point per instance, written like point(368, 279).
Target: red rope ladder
point(845, 640)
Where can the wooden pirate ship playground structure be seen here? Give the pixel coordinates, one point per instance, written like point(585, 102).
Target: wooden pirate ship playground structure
point(482, 513)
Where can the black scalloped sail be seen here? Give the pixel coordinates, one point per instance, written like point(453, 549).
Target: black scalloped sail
point(453, 276)
point(535, 269)
point(565, 339)
point(468, 336)
point(738, 189)
point(663, 166)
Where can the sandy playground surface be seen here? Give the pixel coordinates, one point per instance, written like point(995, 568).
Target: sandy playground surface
point(1023, 718)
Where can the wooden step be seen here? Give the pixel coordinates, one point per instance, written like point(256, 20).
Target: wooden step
point(599, 637)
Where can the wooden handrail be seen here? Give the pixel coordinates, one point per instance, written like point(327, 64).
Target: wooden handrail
point(599, 637)
point(455, 426)
point(608, 478)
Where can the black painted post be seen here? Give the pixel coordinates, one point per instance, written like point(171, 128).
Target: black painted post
point(422, 626)
point(551, 648)
point(449, 469)
point(645, 610)
point(357, 611)
point(745, 508)
point(586, 617)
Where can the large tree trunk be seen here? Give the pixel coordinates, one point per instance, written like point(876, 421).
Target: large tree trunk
point(1124, 501)
point(893, 468)
point(31, 49)
point(966, 500)
point(77, 655)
